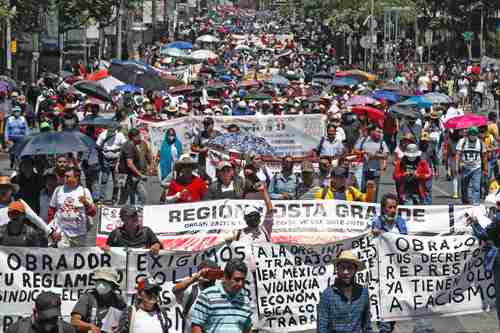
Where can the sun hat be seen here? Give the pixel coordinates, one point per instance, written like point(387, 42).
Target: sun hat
point(107, 274)
point(412, 151)
point(349, 256)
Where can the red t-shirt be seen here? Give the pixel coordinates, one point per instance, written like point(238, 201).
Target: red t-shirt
point(196, 189)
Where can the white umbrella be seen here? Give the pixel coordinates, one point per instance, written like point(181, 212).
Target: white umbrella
point(203, 54)
point(208, 39)
point(110, 83)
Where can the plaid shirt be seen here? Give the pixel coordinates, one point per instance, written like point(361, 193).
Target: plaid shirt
point(337, 314)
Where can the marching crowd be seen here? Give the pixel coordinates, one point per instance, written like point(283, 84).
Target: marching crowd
point(369, 131)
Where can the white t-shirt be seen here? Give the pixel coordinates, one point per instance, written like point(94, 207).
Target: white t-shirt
point(471, 153)
point(111, 147)
point(480, 87)
point(70, 216)
point(145, 322)
point(463, 87)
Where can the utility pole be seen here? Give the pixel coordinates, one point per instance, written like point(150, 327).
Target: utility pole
point(119, 23)
point(372, 33)
point(8, 41)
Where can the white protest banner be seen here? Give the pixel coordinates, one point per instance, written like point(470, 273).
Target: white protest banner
point(288, 135)
point(290, 279)
point(432, 276)
point(171, 267)
point(199, 225)
point(26, 272)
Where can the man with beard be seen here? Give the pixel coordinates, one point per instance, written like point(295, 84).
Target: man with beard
point(345, 306)
point(284, 184)
point(471, 157)
point(91, 309)
point(46, 317)
point(186, 291)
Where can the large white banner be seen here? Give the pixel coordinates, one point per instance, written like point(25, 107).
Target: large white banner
point(171, 267)
point(288, 135)
point(195, 226)
point(433, 276)
point(290, 278)
point(25, 272)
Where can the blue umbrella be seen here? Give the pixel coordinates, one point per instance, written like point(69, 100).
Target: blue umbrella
point(54, 143)
point(173, 52)
point(438, 98)
point(226, 78)
point(98, 121)
point(391, 96)
point(416, 101)
point(128, 88)
point(345, 82)
point(180, 45)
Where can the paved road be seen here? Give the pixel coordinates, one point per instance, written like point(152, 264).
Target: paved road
point(442, 190)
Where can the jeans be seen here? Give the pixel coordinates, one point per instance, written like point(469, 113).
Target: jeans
point(471, 186)
point(108, 168)
point(134, 186)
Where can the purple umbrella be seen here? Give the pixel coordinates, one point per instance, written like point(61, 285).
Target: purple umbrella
point(362, 100)
point(4, 86)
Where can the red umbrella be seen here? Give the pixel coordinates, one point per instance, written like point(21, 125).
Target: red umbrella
point(466, 121)
point(372, 113)
point(98, 75)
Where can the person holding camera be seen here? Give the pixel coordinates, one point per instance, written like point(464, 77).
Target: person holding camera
point(186, 291)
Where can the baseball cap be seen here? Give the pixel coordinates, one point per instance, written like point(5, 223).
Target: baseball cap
point(149, 284)
point(128, 211)
point(16, 206)
point(48, 305)
point(473, 131)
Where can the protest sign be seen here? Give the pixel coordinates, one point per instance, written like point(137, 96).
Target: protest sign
point(69, 272)
point(290, 278)
point(171, 267)
point(196, 226)
point(288, 135)
point(432, 276)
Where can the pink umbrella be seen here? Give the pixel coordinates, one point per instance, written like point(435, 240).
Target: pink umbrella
point(466, 121)
point(362, 100)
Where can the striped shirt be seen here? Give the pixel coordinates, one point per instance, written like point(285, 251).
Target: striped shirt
point(215, 311)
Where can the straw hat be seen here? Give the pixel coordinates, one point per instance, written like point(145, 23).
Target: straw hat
point(435, 115)
point(172, 108)
point(185, 159)
point(5, 182)
point(425, 136)
point(349, 256)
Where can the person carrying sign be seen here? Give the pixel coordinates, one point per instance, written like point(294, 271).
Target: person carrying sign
point(345, 306)
point(145, 315)
point(92, 308)
point(46, 317)
point(186, 291)
point(255, 231)
point(339, 190)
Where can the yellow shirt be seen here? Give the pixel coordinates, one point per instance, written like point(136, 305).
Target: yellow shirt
point(351, 194)
point(494, 186)
point(493, 129)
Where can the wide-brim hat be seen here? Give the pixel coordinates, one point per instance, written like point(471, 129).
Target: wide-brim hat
point(5, 182)
point(412, 151)
point(107, 274)
point(349, 256)
point(185, 159)
point(435, 115)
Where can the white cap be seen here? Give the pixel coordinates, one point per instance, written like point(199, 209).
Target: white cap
point(252, 209)
point(242, 104)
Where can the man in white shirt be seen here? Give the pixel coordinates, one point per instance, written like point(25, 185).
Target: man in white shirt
point(109, 143)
